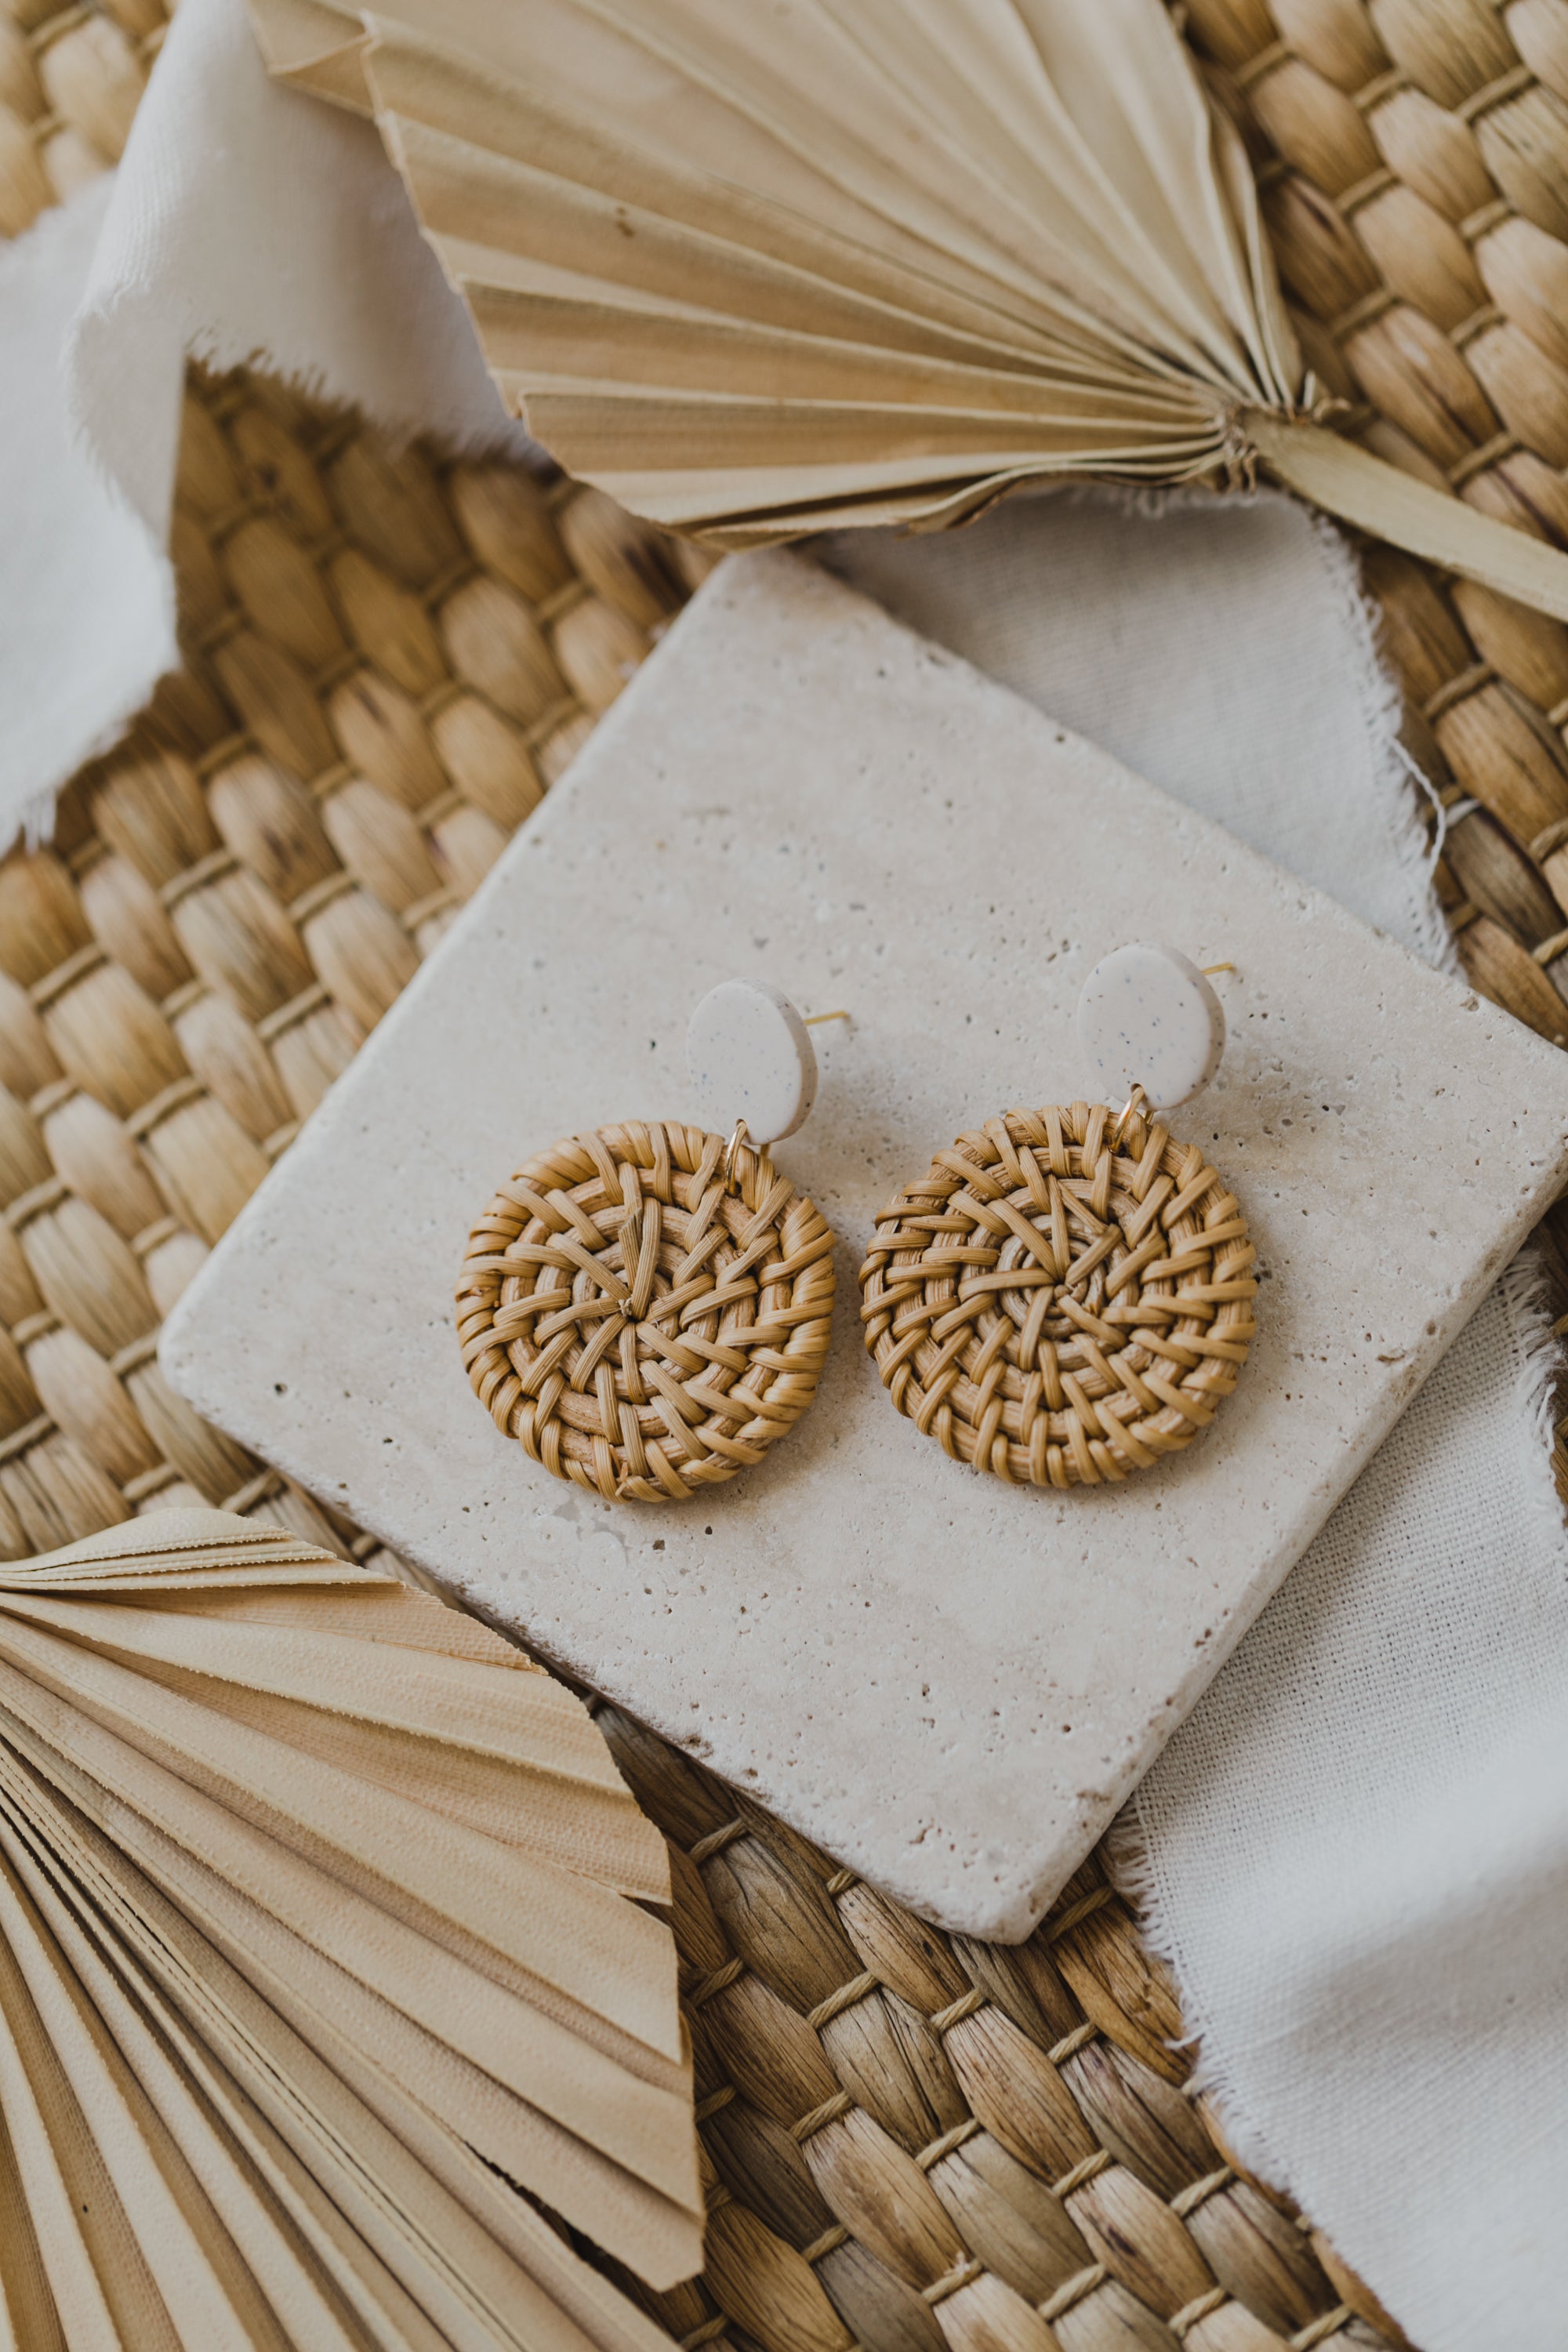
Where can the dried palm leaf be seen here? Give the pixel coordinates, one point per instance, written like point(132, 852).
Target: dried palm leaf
point(320, 1926)
point(757, 270)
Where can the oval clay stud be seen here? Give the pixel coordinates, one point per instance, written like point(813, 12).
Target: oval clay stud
point(1148, 1017)
point(749, 1056)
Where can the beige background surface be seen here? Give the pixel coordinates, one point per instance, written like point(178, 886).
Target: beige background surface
point(950, 1685)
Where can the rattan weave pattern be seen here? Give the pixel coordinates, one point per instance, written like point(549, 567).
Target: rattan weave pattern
point(1063, 1298)
point(647, 1310)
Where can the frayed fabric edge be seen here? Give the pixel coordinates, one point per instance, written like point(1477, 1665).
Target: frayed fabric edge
point(1396, 776)
point(1397, 779)
point(169, 336)
point(139, 477)
point(31, 824)
point(1130, 1862)
point(95, 578)
point(1538, 1354)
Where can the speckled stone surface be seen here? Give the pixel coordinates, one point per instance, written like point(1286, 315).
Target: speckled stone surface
point(951, 1682)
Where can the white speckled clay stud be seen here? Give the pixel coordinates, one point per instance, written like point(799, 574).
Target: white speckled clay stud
point(750, 1057)
point(1148, 1018)
point(1067, 1297)
point(645, 1308)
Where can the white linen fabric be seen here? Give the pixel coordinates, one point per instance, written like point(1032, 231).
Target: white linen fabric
point(87, 601)
point(1356, 1851)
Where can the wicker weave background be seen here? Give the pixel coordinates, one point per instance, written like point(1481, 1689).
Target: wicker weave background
point(915, 2141)
point(70, 82)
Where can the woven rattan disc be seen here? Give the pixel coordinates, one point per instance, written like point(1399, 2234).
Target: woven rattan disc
point(1057, 1311)
point(638, 1325)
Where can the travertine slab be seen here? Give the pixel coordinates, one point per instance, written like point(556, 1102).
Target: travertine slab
point(948, 1682)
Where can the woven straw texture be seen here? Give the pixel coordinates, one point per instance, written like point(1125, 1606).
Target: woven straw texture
point(1063, 1298)
point(912, 2141)
point(1414, 157)
point(70, 82)
point(646, 1311)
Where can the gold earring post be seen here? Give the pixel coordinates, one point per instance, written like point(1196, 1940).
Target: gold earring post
point(1136, 1097)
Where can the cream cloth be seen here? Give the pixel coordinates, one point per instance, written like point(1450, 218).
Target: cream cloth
point(1355, 1850)
point(87, 604)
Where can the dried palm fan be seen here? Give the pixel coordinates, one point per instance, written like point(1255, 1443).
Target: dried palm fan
point(314, 1934)
point(759, 271)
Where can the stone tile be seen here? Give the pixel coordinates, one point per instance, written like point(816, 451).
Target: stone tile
point(950, 1683)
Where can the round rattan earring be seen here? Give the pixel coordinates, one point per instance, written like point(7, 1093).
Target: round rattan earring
point(645, 1308)
point(1067, 1297)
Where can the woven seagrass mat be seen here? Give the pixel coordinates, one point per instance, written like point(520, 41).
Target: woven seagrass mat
point(914, 2141)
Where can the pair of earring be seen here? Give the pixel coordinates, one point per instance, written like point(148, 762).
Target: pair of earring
point(1063, 1299)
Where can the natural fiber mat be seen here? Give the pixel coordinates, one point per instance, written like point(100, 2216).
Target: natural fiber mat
point(70, 80)
point(914, 2141)
point(1413, 161)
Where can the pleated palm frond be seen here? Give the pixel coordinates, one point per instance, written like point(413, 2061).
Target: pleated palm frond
point(321, 1924)
point(759, 269)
